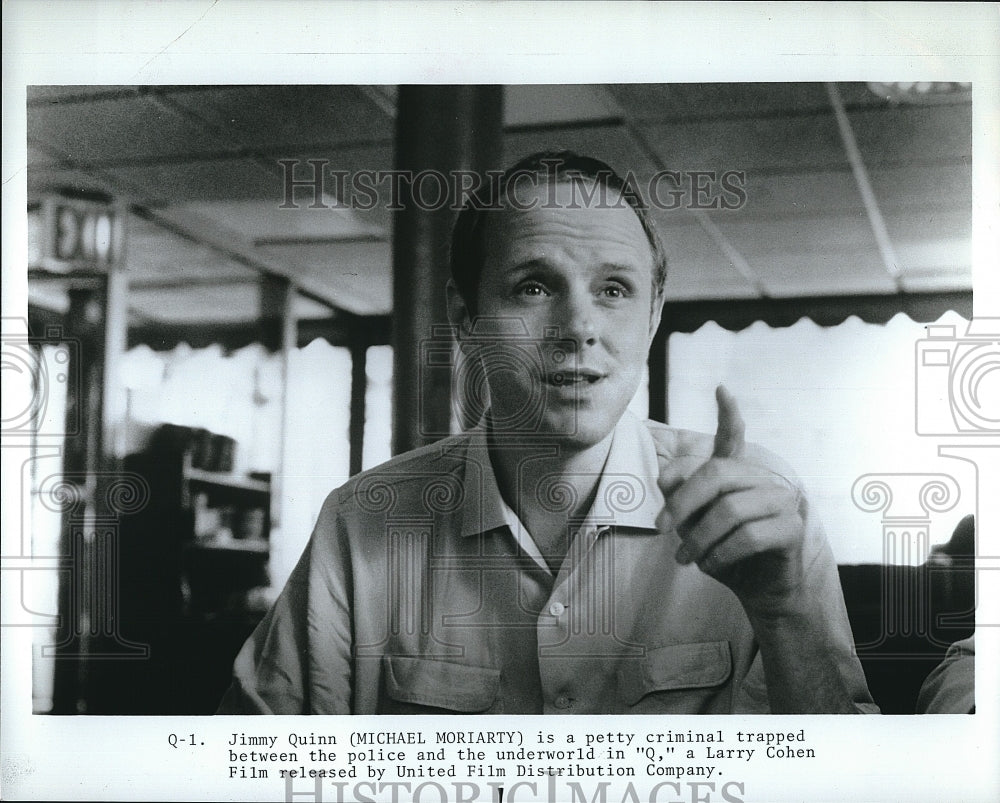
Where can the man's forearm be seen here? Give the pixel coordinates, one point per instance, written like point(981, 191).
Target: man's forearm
point(802, 659)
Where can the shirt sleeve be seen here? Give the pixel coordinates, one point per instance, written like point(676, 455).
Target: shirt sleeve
point(307, 629)
point(950, 688)
point(269, 671)
point(823, 580)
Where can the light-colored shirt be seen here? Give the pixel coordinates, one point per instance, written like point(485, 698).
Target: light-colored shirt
point(950, 688)
point(420, 592)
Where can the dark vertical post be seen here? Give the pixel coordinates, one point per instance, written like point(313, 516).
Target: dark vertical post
point(95, 491)
point(443, 129)
point(359, 386)
point(277, 323)
point(279, 332)
point(89, 591)
point(82, 461)
point(659, 375)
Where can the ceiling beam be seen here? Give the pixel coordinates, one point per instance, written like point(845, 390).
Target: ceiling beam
point(223, 243)
point(196, 231)
point(217, 132)
point(380, 97)
point(733, 256)
point(337, 239)
point(192, 282)
point(890, 259)
point(268, 155)
point(559, 126)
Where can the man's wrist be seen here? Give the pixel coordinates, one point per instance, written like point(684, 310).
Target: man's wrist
point(787, 608)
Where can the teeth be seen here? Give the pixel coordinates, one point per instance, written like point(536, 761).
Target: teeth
point(572, 379)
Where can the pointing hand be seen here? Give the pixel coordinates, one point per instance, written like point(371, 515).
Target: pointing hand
point(737, 519)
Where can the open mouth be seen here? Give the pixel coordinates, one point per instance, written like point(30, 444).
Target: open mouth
point(563, 379)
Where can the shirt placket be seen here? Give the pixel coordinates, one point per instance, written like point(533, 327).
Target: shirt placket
point(567, 621)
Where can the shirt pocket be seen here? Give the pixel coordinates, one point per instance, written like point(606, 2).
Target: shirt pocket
point(429, 686)
point(678, 679)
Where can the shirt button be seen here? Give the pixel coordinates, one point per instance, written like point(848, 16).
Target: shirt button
point(557, 608)
point(562, 701)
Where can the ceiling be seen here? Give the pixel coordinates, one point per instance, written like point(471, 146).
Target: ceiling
point(199, 165)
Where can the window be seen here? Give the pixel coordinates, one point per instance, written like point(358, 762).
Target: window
point(836, 403)
point(378, 407)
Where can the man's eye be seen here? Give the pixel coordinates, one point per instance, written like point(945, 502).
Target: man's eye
point(532, 289)
point(615, 291)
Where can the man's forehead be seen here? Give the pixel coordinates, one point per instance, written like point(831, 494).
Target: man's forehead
point(566, 192)
point(594, 212)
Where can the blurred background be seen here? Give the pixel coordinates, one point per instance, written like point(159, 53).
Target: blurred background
point(220, 333)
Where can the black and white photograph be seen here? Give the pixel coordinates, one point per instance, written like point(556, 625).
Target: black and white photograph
point(361, 376)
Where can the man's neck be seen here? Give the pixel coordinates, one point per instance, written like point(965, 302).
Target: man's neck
point(550, 487)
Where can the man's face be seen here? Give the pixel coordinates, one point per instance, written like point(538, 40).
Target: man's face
point(583, 271)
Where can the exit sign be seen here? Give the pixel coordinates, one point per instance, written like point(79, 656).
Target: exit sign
point(78, 234)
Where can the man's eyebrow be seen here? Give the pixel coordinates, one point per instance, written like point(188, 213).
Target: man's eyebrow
point(532, 263)
point(627, 267)
point(543, 263)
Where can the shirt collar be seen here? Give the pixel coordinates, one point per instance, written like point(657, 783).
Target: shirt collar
point(628, 495)
point(484, 508)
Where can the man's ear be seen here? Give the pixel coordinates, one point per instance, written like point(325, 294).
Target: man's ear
point(654, 316)
point(458, 310)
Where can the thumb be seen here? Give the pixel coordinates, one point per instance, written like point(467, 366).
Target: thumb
point(729, 435)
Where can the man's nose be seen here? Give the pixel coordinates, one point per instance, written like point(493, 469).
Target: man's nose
point(578, 320)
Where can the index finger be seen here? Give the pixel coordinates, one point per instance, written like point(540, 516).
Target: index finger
point(731, 430)
point(675, 471)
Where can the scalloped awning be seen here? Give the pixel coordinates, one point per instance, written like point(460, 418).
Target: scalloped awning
point(688, 316)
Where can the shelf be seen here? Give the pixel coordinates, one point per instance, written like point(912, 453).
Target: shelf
point(220, 480)
point(256, 546)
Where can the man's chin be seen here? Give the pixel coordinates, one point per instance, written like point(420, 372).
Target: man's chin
point(577, 432)
point(577, 428)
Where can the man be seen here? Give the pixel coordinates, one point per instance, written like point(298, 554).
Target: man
point(562, 557)
point(950, 688)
